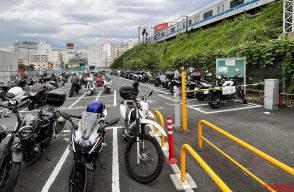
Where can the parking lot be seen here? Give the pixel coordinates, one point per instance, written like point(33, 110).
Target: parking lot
point(270, 132)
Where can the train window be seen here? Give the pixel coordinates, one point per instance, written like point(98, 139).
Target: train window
point(190, 21)
point(207, 14)
point(220, 8)
point(235, 3)
point(162, 34)
point(184, 24)
point(172, 29)
point(196, 19)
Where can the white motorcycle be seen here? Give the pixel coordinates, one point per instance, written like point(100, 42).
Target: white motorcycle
point(87, 141)
point(90, 86)
point(17, 96)
point(143, 155)
point(107, 85)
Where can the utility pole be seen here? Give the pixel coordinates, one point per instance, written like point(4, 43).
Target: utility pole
point(288, 16)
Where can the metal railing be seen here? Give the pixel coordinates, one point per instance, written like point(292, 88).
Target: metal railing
point(158, 114)
point(254, 150)
point(218, 181)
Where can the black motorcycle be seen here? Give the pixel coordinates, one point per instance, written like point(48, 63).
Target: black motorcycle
point(38, 95)
point(27, 142)
point(75, 86)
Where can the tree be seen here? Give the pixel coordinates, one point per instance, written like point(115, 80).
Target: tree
point(22, 67)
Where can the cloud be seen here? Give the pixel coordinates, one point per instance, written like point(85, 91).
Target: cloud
point(84, 22)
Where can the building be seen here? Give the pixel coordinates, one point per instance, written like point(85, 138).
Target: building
point(8, 66)
point(102, 55)
point(23, 51)
point(96, 56)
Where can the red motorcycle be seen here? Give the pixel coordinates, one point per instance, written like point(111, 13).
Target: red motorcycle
point(99, 80)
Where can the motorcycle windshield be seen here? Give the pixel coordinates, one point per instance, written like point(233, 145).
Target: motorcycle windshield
point(38, 87)
point(87, 124)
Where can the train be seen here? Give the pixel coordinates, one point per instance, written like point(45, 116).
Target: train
point(220, 11)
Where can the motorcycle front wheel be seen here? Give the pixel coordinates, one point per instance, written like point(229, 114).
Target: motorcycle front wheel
point(150, 159)
point(81, 179)
point(9, 172)
point(215, 101)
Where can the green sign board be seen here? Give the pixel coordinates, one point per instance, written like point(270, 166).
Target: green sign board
point(231, 66)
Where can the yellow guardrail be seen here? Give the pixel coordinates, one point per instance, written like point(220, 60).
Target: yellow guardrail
point(254, 150)
point(157, 113)
point(202, 163)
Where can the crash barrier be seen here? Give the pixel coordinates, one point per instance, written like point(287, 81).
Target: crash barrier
point(158, 114)
point(218, 181)
point(259, 153)
point(171, 157)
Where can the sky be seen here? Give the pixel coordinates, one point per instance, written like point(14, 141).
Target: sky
point(85, 22)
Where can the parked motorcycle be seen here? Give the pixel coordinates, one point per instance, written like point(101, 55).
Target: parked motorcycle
point(17, 96)
point(87, 142)
point(229, 91)
point(75, 86)
point(37, 95)
point(4, 89)
point(99, 80)
point(107, 85)
point(32, 134)
point(143, 155)
point(90, 86)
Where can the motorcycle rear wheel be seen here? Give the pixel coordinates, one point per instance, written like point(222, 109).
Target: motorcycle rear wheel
point(81, 179)
point(132, 144)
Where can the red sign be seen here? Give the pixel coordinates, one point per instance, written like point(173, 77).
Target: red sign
point(70, 45)
point(160, 27)
point(283, 188)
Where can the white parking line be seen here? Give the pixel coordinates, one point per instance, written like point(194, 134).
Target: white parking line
point(98, 96)
point(56, 170)
point(114, 98)
point(115, 165)
point(77, 100)
point(236, 109)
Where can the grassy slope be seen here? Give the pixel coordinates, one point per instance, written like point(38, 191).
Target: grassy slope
point(218, 40)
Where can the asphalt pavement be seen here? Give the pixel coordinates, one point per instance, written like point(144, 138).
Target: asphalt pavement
point(271, 132)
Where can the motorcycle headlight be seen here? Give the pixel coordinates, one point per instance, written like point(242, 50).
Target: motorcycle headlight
point(26, 132)
point(84, 143)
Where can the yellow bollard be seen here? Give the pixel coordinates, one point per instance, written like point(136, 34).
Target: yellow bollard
point(184, 102)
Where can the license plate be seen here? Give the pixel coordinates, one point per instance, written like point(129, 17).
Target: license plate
point(205, 92)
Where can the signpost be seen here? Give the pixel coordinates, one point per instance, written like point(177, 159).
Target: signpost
point(230, 67)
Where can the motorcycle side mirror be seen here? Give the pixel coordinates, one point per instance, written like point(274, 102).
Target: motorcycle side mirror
point(65, 115)
point(113, 122)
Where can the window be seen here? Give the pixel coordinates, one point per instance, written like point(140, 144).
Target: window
point(235, 3)
point(162, 34)
point(190, 21)
point(196, 18)
point(173, 29)
point(184, 24)
point(207, 14)
point(220, 8)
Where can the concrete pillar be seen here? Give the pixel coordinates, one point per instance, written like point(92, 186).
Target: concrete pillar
point(271, 94)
